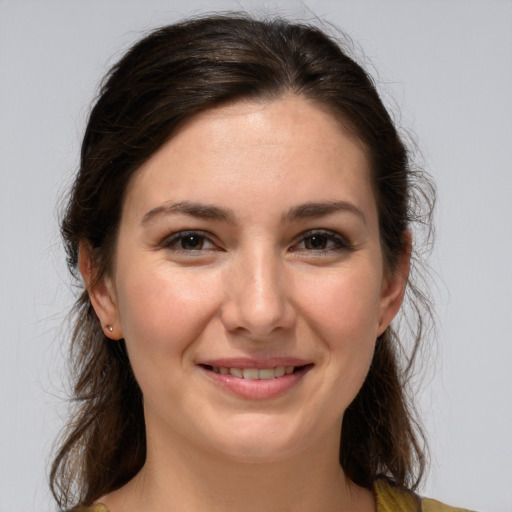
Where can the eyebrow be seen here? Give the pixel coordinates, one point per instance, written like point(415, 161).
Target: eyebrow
point(309, 210)
point(199, 210)
point(313, 210)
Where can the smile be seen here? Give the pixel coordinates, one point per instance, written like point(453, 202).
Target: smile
point(254, 373)
point(248, 382)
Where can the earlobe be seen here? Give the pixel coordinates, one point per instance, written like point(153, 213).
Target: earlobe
point(101, 293)
point(394, 286)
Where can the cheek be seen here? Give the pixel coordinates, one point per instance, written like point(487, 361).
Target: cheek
point(343, 302)
point(163, 312)
point(342, 312)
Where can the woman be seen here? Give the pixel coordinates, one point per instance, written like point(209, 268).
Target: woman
point(242, 223)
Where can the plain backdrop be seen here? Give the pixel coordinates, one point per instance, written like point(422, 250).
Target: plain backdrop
point(445, 68)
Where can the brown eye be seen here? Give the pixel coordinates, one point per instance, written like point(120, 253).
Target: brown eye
point(189, 241)
point(322, 242)
point(192, 242)
point(316, 242)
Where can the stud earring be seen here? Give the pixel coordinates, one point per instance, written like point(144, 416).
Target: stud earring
point(109, 327)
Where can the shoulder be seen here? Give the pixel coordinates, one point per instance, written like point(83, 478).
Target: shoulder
point(391, 498)
point(93, 508)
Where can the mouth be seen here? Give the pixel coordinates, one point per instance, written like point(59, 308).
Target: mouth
point(247, 381)
point(256, 373)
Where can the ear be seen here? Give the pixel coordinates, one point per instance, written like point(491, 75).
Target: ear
point(101, 292)
point(393, 287)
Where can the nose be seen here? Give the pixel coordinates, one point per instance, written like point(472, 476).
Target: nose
point(258, 296)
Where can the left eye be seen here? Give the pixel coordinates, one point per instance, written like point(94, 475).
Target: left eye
point(322, 242)
point(316, 242)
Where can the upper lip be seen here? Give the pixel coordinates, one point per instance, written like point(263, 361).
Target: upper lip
point(247, 362)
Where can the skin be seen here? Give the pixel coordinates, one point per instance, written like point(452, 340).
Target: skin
point(259, 284)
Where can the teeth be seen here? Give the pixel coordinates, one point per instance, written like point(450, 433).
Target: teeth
point(236, 372)
point(280, 371)
point(255, 373)
point(265, 374)
point(250, 373)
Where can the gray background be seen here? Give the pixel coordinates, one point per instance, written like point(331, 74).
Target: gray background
point(447, 68)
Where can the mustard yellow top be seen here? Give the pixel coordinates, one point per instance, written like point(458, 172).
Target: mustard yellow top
point(388, 498)
point(394, 499)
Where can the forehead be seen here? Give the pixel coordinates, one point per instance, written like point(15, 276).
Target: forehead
point(286, 151)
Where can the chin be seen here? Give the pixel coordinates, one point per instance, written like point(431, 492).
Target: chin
point(256, 440)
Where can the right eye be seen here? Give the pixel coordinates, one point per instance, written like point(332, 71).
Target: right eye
point(189, 241)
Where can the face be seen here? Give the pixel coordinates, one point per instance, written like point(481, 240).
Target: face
point(248, 281)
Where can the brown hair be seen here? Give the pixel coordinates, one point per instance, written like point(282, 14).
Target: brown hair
point(169, 76)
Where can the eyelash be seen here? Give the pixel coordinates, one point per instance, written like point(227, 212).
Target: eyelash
point(339, 242)
point(170, 242)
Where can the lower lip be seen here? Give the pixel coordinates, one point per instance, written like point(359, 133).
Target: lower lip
point(258, 389)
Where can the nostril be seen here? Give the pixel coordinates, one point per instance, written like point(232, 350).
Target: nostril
point(256, 301)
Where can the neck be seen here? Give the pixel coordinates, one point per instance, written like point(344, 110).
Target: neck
point(186, 479)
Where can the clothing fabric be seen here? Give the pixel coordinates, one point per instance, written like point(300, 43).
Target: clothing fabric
point(388, 498)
